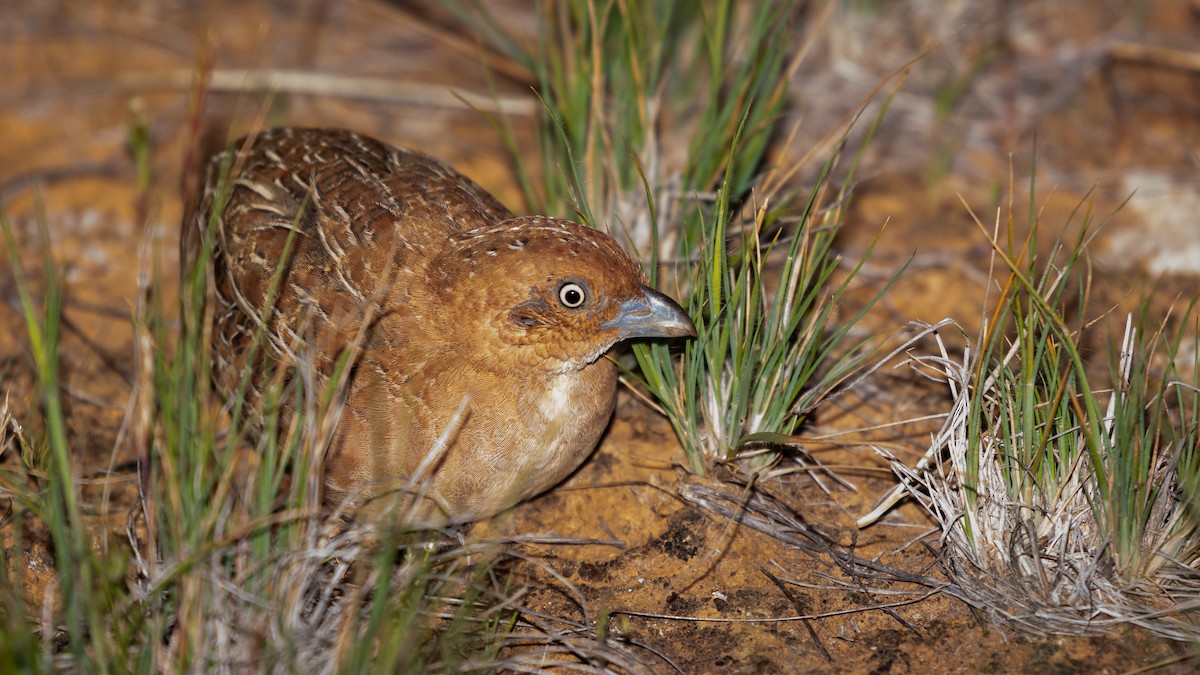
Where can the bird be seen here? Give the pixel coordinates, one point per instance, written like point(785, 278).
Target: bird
point(475, 345)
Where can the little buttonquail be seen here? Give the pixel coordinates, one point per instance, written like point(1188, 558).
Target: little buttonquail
point(477, 339)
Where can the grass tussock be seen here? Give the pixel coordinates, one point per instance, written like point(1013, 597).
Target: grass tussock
point(1066, 496)
point(658, 119)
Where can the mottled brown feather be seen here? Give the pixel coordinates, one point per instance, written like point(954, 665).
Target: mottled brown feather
point(450, 297)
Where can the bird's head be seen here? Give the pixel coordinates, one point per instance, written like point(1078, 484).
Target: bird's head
point(551, 294)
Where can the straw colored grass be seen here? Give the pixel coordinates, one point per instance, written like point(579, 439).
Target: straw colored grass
point(1065, 506)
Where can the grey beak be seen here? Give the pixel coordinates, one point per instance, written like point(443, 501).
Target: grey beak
point(653, 315)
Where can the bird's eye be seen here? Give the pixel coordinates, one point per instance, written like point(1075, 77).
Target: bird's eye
point(571, 295)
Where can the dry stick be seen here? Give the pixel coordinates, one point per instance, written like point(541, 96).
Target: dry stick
point(420, 483)
point(783, 619)
point(106, 359)
point(39, 178)
point(787, 593)
point(193, 163)
point(553, 540)
point(637, 393)
point(142, 418)
point(236, 80)
point(1162, 665)
point(1155, 55)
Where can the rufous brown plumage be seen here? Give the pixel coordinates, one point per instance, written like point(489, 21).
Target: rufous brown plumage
point(476, 339)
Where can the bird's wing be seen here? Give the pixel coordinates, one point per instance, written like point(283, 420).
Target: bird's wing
point(341, 226)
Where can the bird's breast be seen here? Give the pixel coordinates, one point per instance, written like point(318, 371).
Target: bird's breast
point(559, 400)
point(562, 421)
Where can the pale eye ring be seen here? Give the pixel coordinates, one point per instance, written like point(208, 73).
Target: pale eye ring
point(571, 295)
